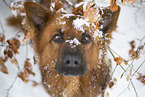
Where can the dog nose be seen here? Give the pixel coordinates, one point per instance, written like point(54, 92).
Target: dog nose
point(72, 61)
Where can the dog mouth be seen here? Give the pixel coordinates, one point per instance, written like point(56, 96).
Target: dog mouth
point(73, 72)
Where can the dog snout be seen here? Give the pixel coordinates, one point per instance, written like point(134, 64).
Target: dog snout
point(72, 61)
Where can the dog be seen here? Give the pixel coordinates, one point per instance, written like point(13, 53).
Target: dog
point(72, 61)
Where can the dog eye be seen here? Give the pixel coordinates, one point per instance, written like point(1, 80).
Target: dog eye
point(57, 38)
point(86, 38)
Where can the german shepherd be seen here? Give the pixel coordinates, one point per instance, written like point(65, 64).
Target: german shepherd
point(72, 61)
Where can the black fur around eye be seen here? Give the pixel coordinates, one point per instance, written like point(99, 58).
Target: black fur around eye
point(86, 38)
point(57, 38)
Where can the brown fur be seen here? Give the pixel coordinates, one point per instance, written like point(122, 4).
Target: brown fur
point(43, 24)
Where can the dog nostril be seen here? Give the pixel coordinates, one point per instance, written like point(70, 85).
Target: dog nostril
point(67, 62)
point(76, 62)
point(71, 60)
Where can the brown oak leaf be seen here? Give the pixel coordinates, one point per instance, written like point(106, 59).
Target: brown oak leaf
point(118, 60)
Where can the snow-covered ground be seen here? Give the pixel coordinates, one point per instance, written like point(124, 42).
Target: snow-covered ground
point(131, 26)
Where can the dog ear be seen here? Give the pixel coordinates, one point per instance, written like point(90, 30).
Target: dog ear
point(108, 20)
point(37, 14)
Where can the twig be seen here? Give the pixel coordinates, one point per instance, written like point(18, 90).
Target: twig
point(113, 52)
point(114, 56)
point(127, 68)
point(134, 88)
point(3, 31)
point(138, 68)
point(6, 4)
point(8, 90)
point(27, 51)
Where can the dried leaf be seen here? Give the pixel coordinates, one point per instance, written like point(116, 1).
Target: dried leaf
point(129, 75)
point(24, 76)
point(128, 1)
point(10, 53)
point(58, 5)
point(134, 54)
point(1, 61)
point(126, 62)
point(118, 60)
point(35, 83)
point(107, 94)
point(132, 44)
point(13, 46)
point(141, 78)
point(26, 37)
point(92, 14)
point(2, 37)
point(4, 69)
point(28, 67)
point(113, 5)
point(111, 84)
point(13, 61)
point(35, 60)
point(115, 79)
point(17, 9)
point(78, 11)
point(17, 42)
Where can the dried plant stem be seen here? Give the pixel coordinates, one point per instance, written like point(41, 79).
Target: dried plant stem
point(8, 90)
point(138, 68)
point(6, 4)
point(134, 88)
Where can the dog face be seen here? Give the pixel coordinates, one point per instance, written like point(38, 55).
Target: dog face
point(67, 45)
point(59, 42)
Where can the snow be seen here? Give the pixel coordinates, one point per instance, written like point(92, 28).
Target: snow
point(16, 8)
point(131, 26)
point(73, 42)
point(69, 2)
point(67, 15)
point(79, 22)
point(79, 4)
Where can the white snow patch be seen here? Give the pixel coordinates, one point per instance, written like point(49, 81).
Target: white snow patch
point(73, 42)
point(85, 5)
point(63, 10)
point(70, 3)
point(79, 4)
point(97, 33)
point(16, 8)
point(64, 22)
point(67, 15)
point(79, 22)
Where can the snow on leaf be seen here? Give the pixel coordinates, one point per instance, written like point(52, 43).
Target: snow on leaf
point(24, 76)
point(28, 67)
point(17, 8)
point(79, 22)
point(27, 37)
point(69, 2)
point(14, 45)
point(91, 14)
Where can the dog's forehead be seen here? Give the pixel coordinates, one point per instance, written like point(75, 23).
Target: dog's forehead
point(74, 23)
